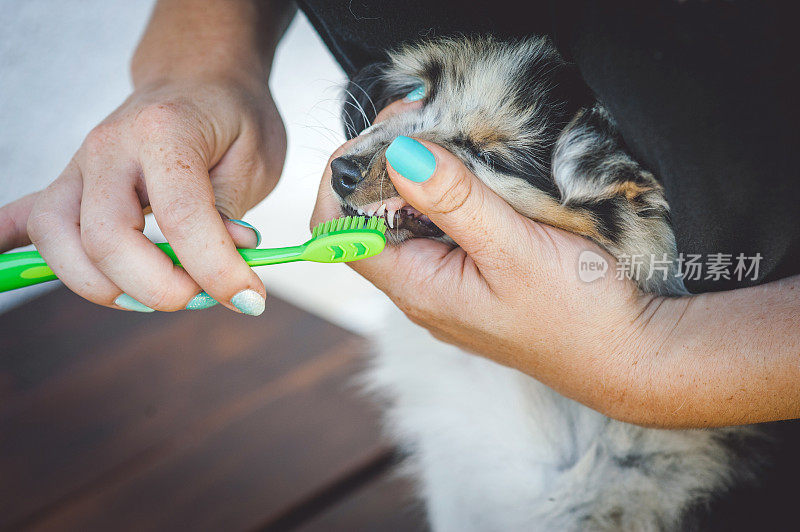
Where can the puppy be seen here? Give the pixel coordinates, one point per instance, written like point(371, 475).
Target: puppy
point(489, 447)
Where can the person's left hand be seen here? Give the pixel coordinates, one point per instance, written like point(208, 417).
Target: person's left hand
point(510, 291)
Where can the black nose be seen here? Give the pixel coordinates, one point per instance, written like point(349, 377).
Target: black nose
point(346, 175)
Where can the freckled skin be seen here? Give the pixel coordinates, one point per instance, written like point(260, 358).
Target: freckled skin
point(174, 134)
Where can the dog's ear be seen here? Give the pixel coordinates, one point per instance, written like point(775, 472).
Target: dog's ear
point(366, 94)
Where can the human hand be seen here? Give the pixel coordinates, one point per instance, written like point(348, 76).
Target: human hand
point(511, 290)
point(200, 154)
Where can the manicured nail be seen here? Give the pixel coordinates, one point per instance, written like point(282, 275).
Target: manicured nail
point(245, 224)
point(201, 301)
point(128, 303)
point(411, 159)
point(416, 95)
point(248, 302)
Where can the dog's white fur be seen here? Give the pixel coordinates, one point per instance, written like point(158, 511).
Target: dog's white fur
point(494, 450)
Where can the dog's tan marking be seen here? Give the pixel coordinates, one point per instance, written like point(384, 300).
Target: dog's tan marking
point(630, 189)
point(485, 135)
point(575, 221)
point(539, 206)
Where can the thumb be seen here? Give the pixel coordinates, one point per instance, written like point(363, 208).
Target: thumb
point(232, 199)
point(14, 222)
point(244, 234)
point(439, 185)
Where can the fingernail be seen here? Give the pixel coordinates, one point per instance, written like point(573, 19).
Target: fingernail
point(248, 302)
point(128, 303)
point(411, 159)
point(416, 95)
point(245, 224)
point(201, 301)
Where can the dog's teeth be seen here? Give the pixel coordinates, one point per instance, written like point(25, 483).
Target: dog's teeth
point(390, 218)
point(381, 210)
point(360, 211)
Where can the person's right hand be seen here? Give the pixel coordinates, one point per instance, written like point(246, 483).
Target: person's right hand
point(200, 155)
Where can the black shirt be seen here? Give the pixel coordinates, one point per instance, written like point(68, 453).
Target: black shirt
point(705, 95)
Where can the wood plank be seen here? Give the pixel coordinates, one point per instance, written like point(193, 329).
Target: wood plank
point(201, 419)
point(60, 324)
point(385, 504)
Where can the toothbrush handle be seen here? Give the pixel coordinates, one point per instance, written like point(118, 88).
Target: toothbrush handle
point(253, 257)
point(23, 268)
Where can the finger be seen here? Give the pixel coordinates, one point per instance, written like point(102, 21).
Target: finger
point(407, 273)
point(244, 234)
point(398, 107)
point(422, 277)
point(183, 203)
point(14, 222)
point(111, 231)
point(396, 268)
point(54, 228)
point(439, 185)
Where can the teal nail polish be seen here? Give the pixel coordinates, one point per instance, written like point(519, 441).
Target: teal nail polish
point(411, 159)
point(245, 224)
point(201, 301)
point(128, 303)
point(249, 302)
point(416, 95)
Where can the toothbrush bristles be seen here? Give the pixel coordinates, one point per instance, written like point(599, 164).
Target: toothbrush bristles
point(349, 223)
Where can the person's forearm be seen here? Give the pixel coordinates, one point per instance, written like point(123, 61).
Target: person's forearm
point(718, 359)
point(197, 39)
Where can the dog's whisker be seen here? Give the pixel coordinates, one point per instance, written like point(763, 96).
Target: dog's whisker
point(359, 107)
point(366, 94)
point(326, 132)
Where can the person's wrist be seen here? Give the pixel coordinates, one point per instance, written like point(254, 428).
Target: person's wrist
point(609, 339)
point(251, 82)
point(613, 318)
point(653, 322)
point(644, 344)
point(249, 70)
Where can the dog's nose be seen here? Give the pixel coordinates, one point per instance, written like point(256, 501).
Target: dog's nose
point(346, 175)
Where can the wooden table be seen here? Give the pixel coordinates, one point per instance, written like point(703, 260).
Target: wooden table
point(203, 420)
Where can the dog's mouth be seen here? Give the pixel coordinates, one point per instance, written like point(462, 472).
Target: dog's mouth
point(399, 216)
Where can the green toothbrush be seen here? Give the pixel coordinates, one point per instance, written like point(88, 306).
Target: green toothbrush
point(341, 240)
